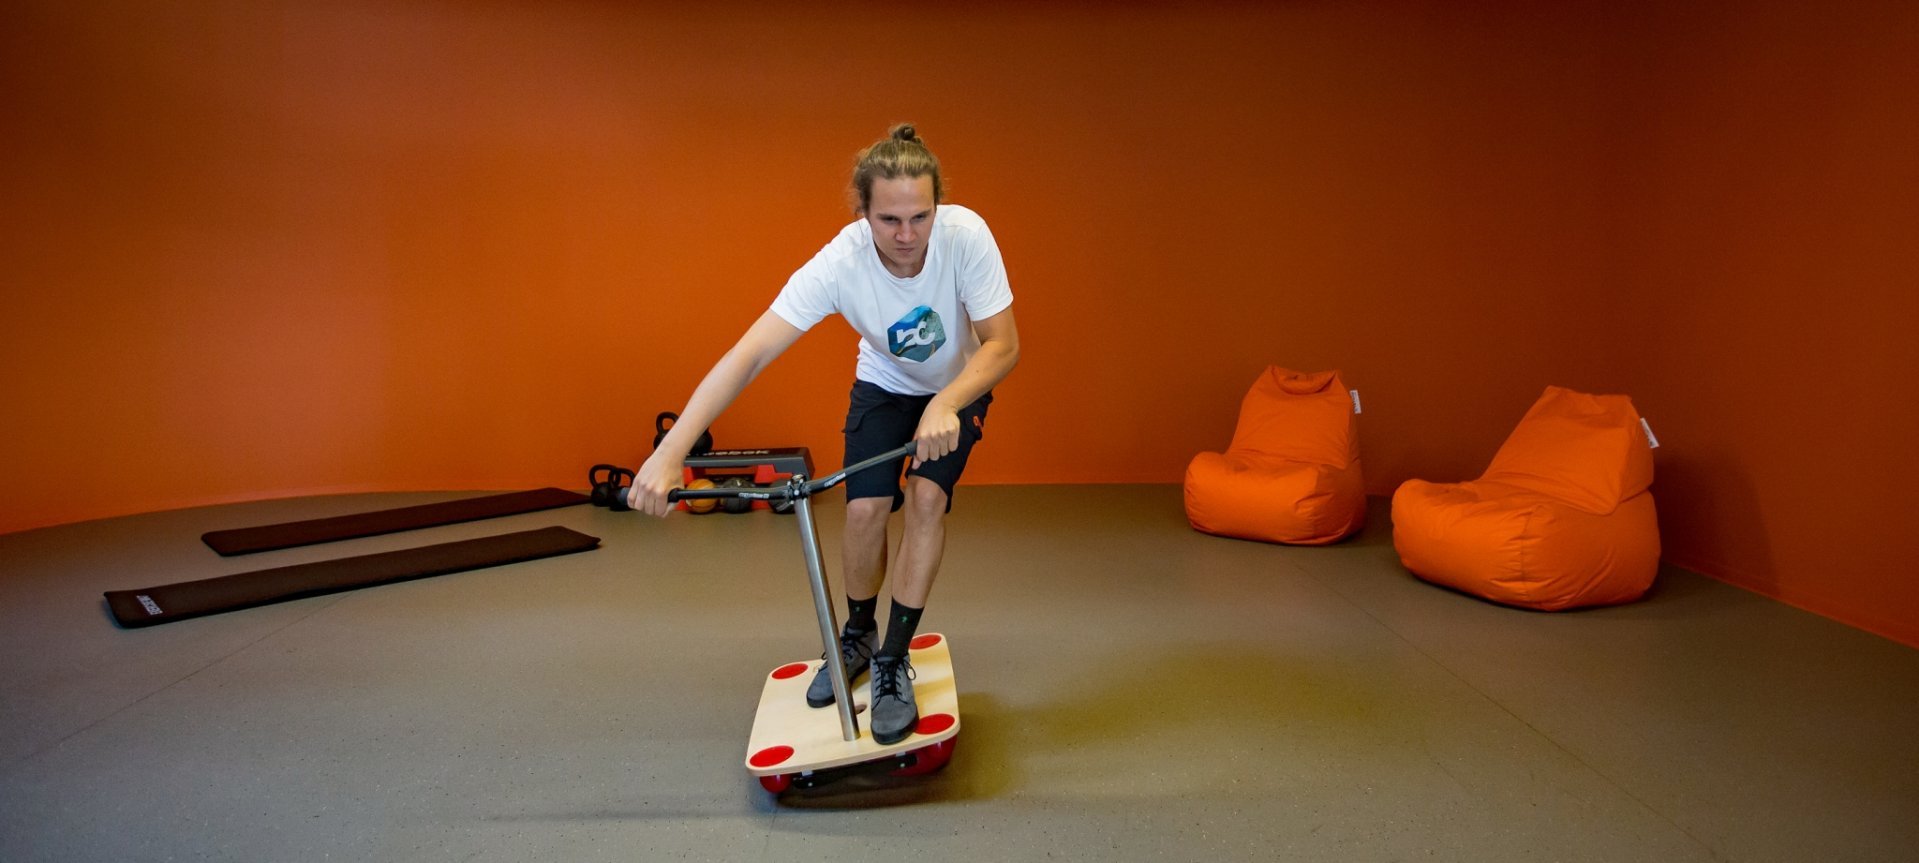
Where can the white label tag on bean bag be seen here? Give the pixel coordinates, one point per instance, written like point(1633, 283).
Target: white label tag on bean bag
point(1653, 441)
point(1355, 395)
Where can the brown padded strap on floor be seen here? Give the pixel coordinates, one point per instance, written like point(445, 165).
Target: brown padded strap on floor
point(168, 603)
point(248, 540)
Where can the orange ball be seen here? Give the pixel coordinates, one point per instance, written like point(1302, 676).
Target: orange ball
point(700, 506)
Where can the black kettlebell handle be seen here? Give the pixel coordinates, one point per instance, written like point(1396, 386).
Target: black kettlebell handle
point(608, 491)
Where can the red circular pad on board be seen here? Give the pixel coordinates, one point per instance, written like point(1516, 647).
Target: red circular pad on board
point(770, 756)
point(789, 670)
point(923, 642)
point(934, 724)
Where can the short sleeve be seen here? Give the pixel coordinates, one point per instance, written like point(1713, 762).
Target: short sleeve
point(810, 295)
point(982, 275)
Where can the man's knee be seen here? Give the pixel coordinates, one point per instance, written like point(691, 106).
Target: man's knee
point(925, 499)
point(867, 511)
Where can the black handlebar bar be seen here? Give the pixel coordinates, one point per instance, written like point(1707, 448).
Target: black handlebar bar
point(792, 490)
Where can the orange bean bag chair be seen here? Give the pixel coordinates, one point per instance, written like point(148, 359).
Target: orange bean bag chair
point(1562, 518)
point(1292, 472)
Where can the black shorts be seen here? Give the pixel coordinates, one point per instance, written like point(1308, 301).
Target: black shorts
point(877, 421)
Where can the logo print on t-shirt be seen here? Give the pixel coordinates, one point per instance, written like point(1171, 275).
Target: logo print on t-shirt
point(916, 336)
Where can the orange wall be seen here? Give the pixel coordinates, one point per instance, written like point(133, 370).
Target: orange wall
point(1766, 227)
point(263, 249)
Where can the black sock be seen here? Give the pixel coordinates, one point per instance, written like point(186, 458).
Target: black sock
point(899, 630)
point(859, 613)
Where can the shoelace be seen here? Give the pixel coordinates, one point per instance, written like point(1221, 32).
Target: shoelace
point(852, 648)
point(887, 675)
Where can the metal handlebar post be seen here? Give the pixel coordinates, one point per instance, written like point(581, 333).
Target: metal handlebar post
point(800, 491)
point(829, 621)
point(816, 574)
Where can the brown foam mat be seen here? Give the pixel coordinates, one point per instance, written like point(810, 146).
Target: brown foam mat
point(171, 602)
point(247, 540)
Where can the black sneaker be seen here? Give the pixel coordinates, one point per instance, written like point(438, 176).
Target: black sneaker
point(856, 650)
point(895, 713)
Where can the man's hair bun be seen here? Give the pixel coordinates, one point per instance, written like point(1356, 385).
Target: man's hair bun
point(900, 154)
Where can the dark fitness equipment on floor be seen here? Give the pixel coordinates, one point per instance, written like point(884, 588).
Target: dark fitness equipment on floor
point(758, 466)
point(736, 505)
point(171, 602)
point(609, 484)
point(272, 537)
point(795, 746)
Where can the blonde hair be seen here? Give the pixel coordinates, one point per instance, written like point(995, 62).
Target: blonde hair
point(902, 153)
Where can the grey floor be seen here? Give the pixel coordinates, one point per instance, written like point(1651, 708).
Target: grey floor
point(1130, 690)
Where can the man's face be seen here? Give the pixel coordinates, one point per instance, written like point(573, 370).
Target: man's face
point(900, 212)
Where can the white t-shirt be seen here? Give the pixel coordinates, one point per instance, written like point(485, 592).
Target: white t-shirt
point(915, 334)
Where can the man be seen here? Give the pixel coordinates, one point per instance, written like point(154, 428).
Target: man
point(923, 284)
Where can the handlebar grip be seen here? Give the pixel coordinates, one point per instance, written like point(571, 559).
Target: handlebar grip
point(680, 494)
